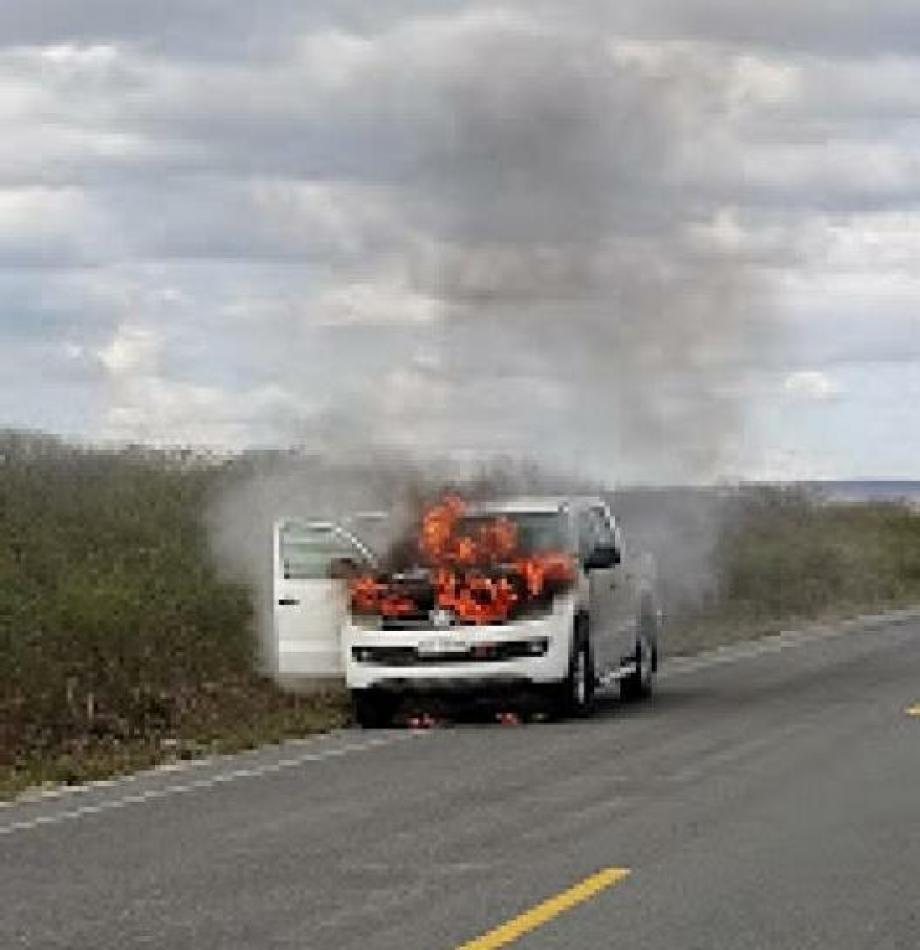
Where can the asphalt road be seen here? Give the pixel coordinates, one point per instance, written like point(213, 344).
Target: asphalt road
point(768, 796)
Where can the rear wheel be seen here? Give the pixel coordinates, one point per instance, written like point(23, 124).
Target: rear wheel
point(372, 709)
point(641, 683)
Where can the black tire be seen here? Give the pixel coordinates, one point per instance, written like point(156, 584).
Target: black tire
point(372, 709)
point(641, 684)
point(575, 694)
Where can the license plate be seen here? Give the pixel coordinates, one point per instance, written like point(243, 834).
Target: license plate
point(442, 645)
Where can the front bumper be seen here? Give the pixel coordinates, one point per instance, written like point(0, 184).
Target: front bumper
point(462, 659)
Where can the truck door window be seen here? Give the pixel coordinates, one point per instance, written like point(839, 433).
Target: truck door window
point(308, 552)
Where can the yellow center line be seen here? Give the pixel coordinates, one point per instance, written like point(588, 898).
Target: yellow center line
point(515, 928)
point(913, 710)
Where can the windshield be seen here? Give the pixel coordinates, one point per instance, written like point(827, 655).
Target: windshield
point(308, 552)
point(537, 531)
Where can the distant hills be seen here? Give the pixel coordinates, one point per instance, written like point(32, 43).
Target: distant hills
point(868, 490)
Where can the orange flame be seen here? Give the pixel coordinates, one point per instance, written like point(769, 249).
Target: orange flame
point(460, 562)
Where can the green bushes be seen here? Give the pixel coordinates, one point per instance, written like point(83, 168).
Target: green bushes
point(785, 556)
point(117, 638)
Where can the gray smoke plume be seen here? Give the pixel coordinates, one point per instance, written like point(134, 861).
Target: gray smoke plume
point(578, 311)
point(584, 315)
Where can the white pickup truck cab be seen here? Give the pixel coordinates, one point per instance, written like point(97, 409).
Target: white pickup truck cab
point(602, 629)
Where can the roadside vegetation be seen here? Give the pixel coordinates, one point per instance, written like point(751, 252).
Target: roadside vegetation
point(784, 556)
point(122, 647)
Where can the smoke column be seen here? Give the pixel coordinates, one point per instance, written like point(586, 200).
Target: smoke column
point(580, 309)
point(573, 306)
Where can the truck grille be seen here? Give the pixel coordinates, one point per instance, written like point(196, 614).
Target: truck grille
point(477, 653)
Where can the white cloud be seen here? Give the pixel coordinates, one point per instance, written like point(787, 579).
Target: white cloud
point(51, 226)
point(166, 411)
point(756, 81)
point(132, 351)
point(73, 60)
point(810, 384)
point(382, 301)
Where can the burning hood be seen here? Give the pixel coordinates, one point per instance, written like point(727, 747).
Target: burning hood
point(468, 570)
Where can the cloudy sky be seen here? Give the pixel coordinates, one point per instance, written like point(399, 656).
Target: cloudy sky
point(667, 239)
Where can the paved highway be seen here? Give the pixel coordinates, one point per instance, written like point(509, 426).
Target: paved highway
point(768, 797)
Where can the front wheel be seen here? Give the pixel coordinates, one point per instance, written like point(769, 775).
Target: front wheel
point(575, 694)
point(371, 709)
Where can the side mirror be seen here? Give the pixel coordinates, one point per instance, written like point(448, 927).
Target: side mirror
point(602, 556)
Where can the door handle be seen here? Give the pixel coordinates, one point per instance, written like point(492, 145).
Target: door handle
point(288, 602)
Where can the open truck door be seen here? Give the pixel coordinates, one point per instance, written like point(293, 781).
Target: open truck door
point(311, 561)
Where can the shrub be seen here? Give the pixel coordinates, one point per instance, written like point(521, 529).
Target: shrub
point(114, 626)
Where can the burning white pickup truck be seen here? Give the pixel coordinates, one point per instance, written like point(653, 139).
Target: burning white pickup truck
point(530, 599)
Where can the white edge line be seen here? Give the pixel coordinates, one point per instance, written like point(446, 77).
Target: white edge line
point(219, 779)
point(37, 795)
point(775, 642)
